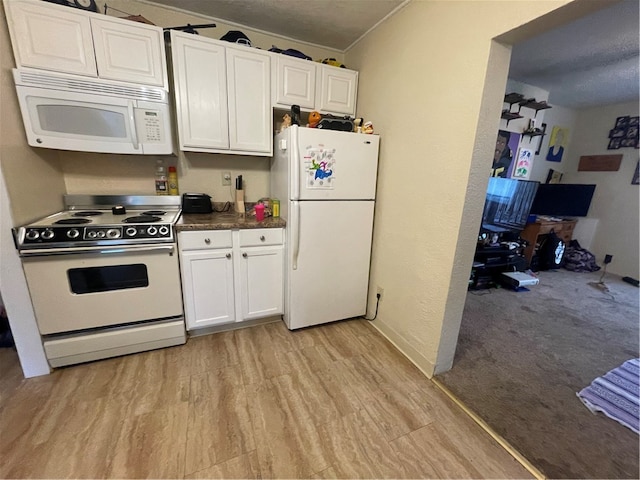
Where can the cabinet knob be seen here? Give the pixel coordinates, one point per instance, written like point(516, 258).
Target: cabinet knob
point(207, 241)
point(228, 255)
point(245, 255)
point(262, 238)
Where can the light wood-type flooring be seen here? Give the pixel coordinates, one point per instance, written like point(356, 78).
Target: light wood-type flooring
point(334, 401)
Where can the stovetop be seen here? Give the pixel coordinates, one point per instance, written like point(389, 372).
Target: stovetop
point(103, 220)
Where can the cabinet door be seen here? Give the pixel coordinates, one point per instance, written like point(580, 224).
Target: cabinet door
point(250, 116)
point(295, 82)
point(51, 37)
point(261, 281)
point(337, 90)
point(207, 283)
point(201, 92)
point(129, 51)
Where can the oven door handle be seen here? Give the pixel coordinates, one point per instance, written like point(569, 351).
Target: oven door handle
point(98, 251)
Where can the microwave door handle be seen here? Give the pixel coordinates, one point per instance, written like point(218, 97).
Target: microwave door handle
point(132, 122)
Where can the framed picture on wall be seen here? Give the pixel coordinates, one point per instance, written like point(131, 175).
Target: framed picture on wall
point(524, 162)
point(624, 133)
point(506, 145)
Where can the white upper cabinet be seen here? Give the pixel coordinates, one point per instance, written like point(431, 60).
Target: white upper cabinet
point(313, 86)
point(51, 37)
point(200, 88)
point(63, 39)
point(131, 52)
point(248, 82)
point(294, 82)
point(337, 90)
point(222, 96)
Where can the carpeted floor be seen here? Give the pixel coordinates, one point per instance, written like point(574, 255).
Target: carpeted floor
point(522, 357)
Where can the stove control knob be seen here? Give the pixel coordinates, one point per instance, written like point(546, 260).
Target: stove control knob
point(163, 230)
point(92, 234)
point(47, 234)
point(131, 232)
point(32, 235)
point(101, 234)
point(113, 233)
point(152, 231)
point(73, 233)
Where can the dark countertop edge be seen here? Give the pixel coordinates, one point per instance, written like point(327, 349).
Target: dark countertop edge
point(216, 221)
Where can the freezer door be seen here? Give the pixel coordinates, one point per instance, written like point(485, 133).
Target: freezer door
point(331, 249)
point(336, 165)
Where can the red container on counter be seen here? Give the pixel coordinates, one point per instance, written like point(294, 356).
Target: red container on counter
point(259, 212)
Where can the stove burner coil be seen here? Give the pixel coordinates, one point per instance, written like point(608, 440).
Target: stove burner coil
point(87, 213)
point(154, 213)
point(73, 221)
point(141, 219)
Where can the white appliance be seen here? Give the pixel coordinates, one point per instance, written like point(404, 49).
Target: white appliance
point(103, 276)
point(326, 183)
point(70, 112)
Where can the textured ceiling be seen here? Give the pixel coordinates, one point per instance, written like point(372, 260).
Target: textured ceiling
point(589, 62)
point(330, 23)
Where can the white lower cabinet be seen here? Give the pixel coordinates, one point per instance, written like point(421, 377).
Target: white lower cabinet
point(231, 276)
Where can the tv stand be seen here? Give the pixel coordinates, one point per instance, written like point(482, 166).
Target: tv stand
point(490, 261)
point(533, 232)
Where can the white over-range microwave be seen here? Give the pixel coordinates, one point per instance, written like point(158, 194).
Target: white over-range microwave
point(70, 112)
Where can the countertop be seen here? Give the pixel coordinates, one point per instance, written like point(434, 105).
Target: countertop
point(224, 221)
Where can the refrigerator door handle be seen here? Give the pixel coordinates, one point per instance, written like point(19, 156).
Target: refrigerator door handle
point(295, 163)
point(296, 233)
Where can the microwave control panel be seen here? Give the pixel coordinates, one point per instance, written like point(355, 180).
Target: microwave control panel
point(150, 125)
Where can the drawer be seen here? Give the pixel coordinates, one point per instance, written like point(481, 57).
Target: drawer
point(260, 236)
point(205, 239)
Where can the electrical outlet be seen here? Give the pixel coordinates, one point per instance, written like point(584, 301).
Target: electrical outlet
point(608, 258)
point(379, 292)
point(226, 178)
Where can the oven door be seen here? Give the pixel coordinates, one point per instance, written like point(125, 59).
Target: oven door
point(89, 288)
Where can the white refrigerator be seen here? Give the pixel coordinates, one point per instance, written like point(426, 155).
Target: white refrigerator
point(326, 183)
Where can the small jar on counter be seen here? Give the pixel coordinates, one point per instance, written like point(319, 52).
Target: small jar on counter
point(275, 207)
point(259, 212)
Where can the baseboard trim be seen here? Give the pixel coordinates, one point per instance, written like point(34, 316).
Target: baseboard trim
point(415, 357)
point(498, 438)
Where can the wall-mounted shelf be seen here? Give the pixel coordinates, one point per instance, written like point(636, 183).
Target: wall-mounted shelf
point(532, 134)
point(532, 104)
point(512, 98)
point(508, 116)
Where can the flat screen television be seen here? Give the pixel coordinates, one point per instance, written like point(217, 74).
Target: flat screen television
point(507, 204)
point(563, 200)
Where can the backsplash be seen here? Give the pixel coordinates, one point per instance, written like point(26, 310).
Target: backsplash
point(133, 174)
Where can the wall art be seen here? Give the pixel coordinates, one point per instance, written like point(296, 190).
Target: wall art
point(557, 143)
point(506, 144)
point(624, 134)
point(524, 162)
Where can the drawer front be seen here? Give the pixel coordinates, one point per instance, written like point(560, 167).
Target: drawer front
point(260, 236)
point(205, 239)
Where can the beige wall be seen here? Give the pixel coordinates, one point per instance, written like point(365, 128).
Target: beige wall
point(197, 172)
point(425, 85)
point(615, 203)
point(33, 175)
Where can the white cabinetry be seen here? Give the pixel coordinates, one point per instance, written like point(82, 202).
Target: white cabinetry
point(231, 276)
point(337, 90)
point(58, 38)
point(294, 82)
point(313, 86)
point(222, 96)
point(206, 265)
